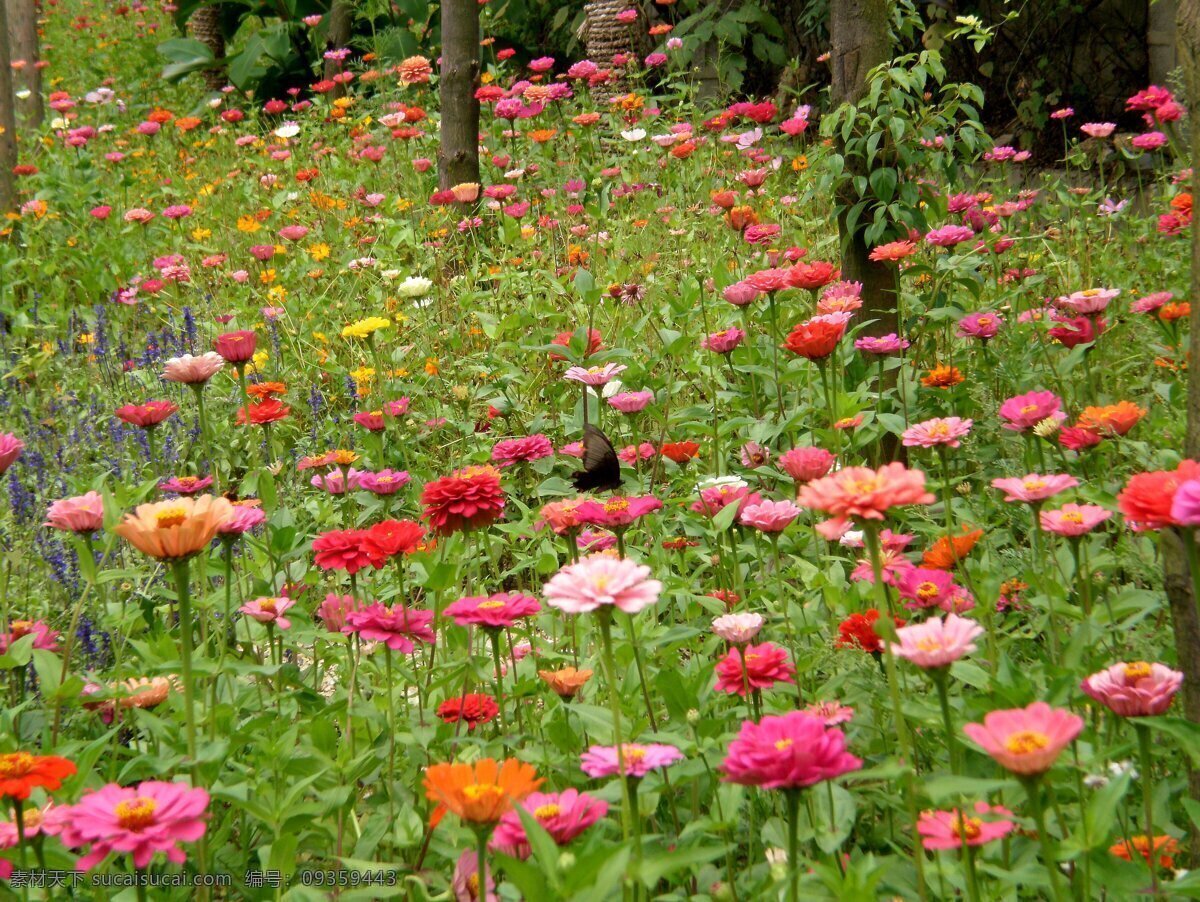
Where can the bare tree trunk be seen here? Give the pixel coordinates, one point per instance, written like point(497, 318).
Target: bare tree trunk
point(1176, 580)
point(23, 47)
point(205, 24)
point(860, 40)
point(458, 155)
point(341, 21)
point(8, 122)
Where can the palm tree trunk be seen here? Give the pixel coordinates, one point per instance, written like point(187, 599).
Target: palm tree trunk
point(8, 121)
point(205, 25)
point(458, 155)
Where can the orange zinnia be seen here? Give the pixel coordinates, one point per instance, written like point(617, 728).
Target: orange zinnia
point(566, 682)
point(1112, 419)
point(1165, 848)
point(481, 792)
point(942, 376)
point(262, 390)
point(175, 530)
point(20, 772)
point(949, 550)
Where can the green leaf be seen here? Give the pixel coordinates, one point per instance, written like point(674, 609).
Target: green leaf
point(1186, 733)
point(725, 517)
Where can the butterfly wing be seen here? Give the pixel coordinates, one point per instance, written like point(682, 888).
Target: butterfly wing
point(601, 468)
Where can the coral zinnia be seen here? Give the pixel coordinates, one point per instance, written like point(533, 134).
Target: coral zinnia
point(817, 338)
point(482, 792)
point(863, 493)
point(20, 772)
point(396, 537)
point(146, 416)
point(950, 829)
point(787, 752)
point(1028, 740)
point(1147, 498)
point(467, 499)
point(174, 530)
point(567, 682)
point(347, 549)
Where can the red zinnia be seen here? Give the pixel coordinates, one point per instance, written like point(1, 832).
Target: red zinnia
point(472, 709)
point(680, 452)
point(858, 631)
point(466, 499)
point(347, 549)
point(817, 338)
point(393, 537)
point(1147, 498)
point(754, 667)
point(20, 772)
point(146, 416)
point(563, 339)
point(236, 347)
point(812, 275)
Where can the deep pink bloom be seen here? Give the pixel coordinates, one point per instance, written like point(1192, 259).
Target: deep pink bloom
point(519, 450)
point(1185, 505)
point(236, 347)
point(1033, 487)
point(1136, 689)
point(245, 517)
point(716, 498)
point(983, 325)
point(787, 752)
point(81, 514)
point(185, 485)
point(564, 815)
point(949, 235)
point(616, 512)
point(384, 482)
point(1028, 740)
point(599, 580)
point(10, 450)
point(753, 667)
point(1022, 412)
point(497, 611)
point(950, 829)
point(925, 587)
point(140, 821)
point(43, 637)
point(396, 627)
point(601, 760)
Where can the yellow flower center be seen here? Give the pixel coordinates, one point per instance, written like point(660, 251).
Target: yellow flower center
point(967, 827)
point(613, 505)
point(268, 605)
point(634, 753)
point(1072, 517)
point(15, 764)
point(170, 517)
point(1034, 484)
point(927, 589)
point(31, 818)
point(930, 644)
point(1026, 742)
point(1137, 670)
point(482, 791)
point(489, 605)
point(545, 812)
point(1029, 408)
point(21, 628)
point(344, 458)
point(865, 486)
point(136, 814)
point(941, 429)
point(781, 744)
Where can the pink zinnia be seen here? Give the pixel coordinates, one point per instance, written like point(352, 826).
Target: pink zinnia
point(1073, 519)
point(518, 450)
point(984, 325)
point(881, 344)
point(936, 643)
point(724, 342)
point(140, 821)
point(1033, 487)
point(769, 516)
point(44, 638)
point(1026, 741)
point(599, 580)
point(787, 752)
point(81, 514)
point(601, 760)
point(617, 512)
point(950, 829)
point(1185, 505)
point(396, 627)
point(740, 293)
point(925, 587)
point(831, 713)
point(716, 498)
point(498, 611)
point(1090, 302)
point(10, 450)
point(949, 235)
point(940, 431)
point(864, 494)
point(1098, 129)
point(269, 610)
point(738, 629)
point(385, 482)
point(243, 519)
point(753, 667)
point(595, 375)
point(334, 609)
point(1137, 689)
point(1022, 412)
point(564, 815)
point(631, 401)
point(806, 464)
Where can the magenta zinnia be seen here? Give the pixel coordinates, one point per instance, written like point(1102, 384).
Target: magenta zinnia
point(787, 752)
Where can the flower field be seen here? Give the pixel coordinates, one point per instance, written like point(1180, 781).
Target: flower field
point(582, 533)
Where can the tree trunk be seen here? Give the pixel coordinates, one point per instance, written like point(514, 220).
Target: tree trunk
point(1176, 580)
point(8, 122)
point(23, 48)
point(341, 20)
point(205, 24)
point(458, 155)
point(860, 40)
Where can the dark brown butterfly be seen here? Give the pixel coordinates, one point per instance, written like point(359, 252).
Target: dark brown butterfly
point(601, 468)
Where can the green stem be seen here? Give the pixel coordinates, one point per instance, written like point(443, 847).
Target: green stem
point(183, 591)
point(791, 799)
point(604, 615)
point(1147, 763)
point(1033, 790)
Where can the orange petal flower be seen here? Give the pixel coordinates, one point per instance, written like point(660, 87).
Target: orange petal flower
point(174, 530)
point(949, 550)
point(481, 792)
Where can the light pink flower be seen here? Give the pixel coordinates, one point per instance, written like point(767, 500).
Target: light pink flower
point(1022, 412)
point(1098, 129)
point(1033, 487)
point(595, 375)
point(81, 514)
point(949, 235)
point(936, 643)
point(600, 580)
point(950, 829)
point(269, 610)
point(769, 516)
point(631, 401)
point(601, 760)
point(140, 821)
point(1028, 740)
point(831, 713)
point(1073, 519)
point(738, 629)
point(937, 432)
point(1137, 689)
point(190, 370)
